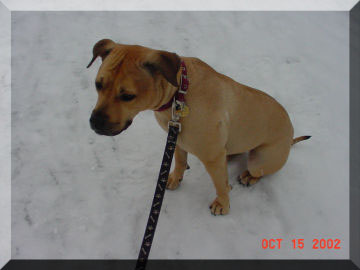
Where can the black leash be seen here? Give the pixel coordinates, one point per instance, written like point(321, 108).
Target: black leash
point(178, 109)
point(158, 197)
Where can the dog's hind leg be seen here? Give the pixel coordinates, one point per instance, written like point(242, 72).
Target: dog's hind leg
point(264, 160)
point(181, 165)
point(246, 179)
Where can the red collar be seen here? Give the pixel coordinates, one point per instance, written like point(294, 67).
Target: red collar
point(180, 93)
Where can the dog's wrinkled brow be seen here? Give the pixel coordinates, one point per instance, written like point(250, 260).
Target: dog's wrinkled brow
point(116, 59)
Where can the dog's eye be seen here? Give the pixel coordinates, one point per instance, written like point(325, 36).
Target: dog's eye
point(98, 85)
point(126, 97)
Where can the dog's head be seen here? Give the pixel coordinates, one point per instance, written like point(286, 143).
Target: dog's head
point(130, 79)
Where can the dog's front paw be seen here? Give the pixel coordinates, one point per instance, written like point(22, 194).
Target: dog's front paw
point(173, 181)
point(220, 206)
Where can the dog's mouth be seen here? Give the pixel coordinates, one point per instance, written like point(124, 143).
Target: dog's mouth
point(111, 131)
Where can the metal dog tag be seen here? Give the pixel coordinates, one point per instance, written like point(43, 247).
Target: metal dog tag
point(184, 112)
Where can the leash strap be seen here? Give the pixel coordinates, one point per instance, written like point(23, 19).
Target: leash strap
point(178, 110)
point(158, 197)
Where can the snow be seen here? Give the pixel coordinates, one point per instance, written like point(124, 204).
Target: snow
point(5, 129)
point(77, 195)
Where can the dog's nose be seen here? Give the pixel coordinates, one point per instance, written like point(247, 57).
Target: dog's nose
point(98, 120)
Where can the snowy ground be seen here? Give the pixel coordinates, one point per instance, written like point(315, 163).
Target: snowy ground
point(5, 128)
point(79, 195)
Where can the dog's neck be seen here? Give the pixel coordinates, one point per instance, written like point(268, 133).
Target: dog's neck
point(166, 93)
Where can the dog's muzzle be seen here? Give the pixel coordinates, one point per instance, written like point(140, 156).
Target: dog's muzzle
point(100, 124)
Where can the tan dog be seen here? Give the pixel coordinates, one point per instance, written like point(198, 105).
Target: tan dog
point(225, 117)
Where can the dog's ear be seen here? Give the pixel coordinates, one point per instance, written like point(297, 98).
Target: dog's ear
point(102, 48)
point(168, 64)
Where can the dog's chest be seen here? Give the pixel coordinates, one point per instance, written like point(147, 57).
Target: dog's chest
point(163, 118)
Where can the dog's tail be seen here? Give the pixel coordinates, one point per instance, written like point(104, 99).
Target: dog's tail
point(299, 139)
